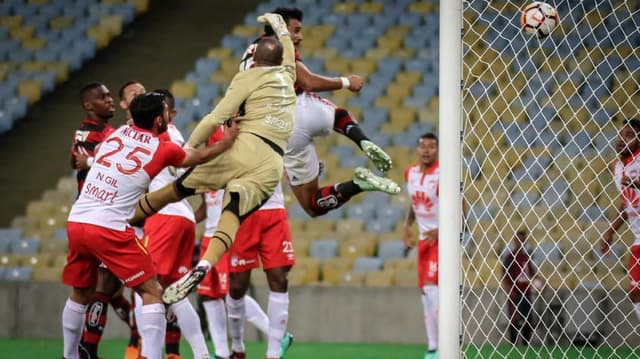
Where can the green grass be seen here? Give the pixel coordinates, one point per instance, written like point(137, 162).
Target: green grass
point(114, 349)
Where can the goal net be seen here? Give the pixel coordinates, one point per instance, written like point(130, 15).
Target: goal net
point(540, 118)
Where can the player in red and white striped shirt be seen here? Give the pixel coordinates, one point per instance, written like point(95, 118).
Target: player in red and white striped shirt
point(423, 184)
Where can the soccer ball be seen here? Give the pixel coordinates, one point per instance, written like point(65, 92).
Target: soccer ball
point(539, 18)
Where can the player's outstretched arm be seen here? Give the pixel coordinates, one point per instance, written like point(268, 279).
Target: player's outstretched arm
point(197, 156)
point(279, 27)
point(310, 81)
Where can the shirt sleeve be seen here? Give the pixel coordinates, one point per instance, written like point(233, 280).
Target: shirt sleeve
point(173, 154)
point(241, 87)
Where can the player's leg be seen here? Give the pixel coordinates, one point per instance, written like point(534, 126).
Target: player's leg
point(172, 337)
point(349, 127)
point(277, 256)
point(73, 317)
point(152, 322)
point(526, 308)
point(428, 281)
point(80, 273)
point(239, 284)
point(303, 169)
point(277, 310)
point(96, 315)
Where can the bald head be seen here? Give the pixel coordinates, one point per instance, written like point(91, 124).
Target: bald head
point(268, 52)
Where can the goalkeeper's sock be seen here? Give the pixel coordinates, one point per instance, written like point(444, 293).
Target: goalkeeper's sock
point(346, 125)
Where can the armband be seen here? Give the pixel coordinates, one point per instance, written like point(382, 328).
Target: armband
point(345, 82)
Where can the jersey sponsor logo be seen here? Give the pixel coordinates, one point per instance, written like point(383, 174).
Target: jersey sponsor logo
point(630, 197)
point(237, 262)
point(99, 193)
point(277, 123)
point(421, 199)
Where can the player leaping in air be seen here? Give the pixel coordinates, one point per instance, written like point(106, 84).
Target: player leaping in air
point(316, 116)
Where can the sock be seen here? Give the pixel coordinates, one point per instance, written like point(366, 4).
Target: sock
point(430, 307)
point(236, 313)
point(172, 337)
point(134, 337)
point(122, 307)
point(636, 306)
point(153, 325)
point(153, 202)
point(94, 322)
point(334, 196)
point(255, 315)
point(217, 319)
point(189, 323)
point(223, 238)
point(72, 324)
point(278, 312)
point(346, 125)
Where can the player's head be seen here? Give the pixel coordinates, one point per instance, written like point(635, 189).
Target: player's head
point(127, 92)
point(293, 17)
point(427, 149)
point(268, 52)
point(150, 112)
point(170, 100)
point(97, 101)
point(628, 140)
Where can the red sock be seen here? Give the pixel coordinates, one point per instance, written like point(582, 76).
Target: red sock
point(334, 196)
point(346, 125)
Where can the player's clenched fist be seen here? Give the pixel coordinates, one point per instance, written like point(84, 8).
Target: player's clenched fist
point(355, 83)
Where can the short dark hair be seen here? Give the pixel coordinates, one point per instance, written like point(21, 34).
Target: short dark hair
point(287, 13)
point(145, 108)
point(124, 86)
point(168, 97)
point(430, 136)
point(634, 123)
point(86, 89)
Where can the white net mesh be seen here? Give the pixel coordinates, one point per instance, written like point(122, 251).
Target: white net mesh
point(540, 119)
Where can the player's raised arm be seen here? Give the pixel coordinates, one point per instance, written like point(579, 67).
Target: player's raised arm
point(197, 156)
point(310, 81)
point(239, 89)
point(279, 27)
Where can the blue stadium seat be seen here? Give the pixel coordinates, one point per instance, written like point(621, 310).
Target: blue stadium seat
point(478, 212)
point(380, 225)
point(524, 200)
point(593, 214)
point(391, 249)
point(363, 210)
point(473, 166)
point(323, 249)
point(18, 274)
point(556, 194)
point(367, 264)
point(205, 66)
point(550, 251)
point(25, 246)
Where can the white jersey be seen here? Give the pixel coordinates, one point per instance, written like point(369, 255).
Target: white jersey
point(124, 165)
point(630, 196)
point(168, 175)
point(423, 187)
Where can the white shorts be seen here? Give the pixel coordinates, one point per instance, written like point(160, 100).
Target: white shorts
point(314, 118)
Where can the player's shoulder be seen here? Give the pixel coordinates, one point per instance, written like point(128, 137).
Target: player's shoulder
point(414, 168)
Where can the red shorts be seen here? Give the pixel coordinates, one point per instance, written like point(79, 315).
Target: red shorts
point(427, 263)
point(216, 283)
point(170, 240)
point(264, 233)
point(120, 251)
point(634, 269)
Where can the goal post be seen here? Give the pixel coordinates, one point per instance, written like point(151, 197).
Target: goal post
point(539, 121)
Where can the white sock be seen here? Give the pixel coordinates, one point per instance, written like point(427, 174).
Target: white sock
point(72, 326)
point(255, 315)
point(204, 263)
point(152, 326)
point(189, 324)
point(278, 312)
point(430, 307)
point(217, 318)
point(636, 306)
point(137, 309)
point(236, 313)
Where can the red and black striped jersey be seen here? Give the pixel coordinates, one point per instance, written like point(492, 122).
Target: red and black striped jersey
point(89, 135)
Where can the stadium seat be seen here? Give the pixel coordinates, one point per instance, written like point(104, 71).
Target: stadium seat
point(18, 274)
point(310, 267)
point(390, 249)
point(25, 246)
point(405, 279)
point(367, 264)
point(323, 249)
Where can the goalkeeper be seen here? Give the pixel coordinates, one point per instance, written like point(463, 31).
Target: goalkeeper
point(252, 168)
